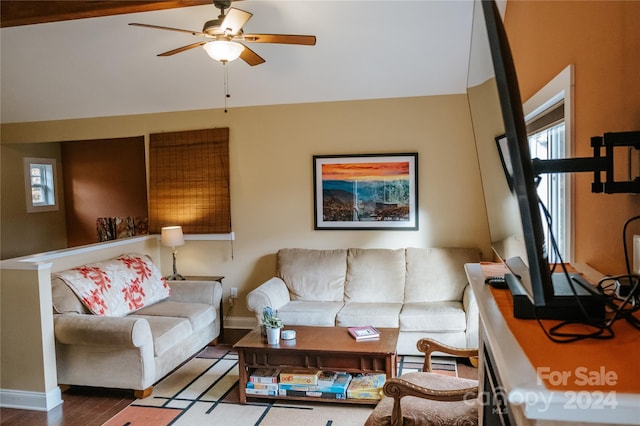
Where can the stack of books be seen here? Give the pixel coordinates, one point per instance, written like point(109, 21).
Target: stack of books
point(329, 385)
point(364, 333)
point(366, 386)
point(263, 381)
point(319, 384)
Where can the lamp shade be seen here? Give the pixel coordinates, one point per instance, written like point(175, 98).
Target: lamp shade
point(223, 51)
point(171, 236)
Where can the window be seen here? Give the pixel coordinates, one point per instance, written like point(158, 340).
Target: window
point(549, 143)
point(549, 123)
point(40, 184)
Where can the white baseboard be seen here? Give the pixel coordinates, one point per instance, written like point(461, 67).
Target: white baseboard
point(248, 323)
point(26, 400)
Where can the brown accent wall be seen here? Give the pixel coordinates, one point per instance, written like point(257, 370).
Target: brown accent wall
point(602, 40)
point(102, 178)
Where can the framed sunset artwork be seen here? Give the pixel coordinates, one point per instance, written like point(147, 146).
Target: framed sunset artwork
point(364, 192)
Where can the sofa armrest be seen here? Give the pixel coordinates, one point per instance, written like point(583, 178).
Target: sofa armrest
point(273, 293)
point(209, 292)
point(473, 317)
point(94, 330)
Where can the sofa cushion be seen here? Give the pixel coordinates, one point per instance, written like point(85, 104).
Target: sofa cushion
point(433, 316)
point(355, 314)
point(200, 315)
point(313, 275)
point(166, 331)
point(298, 312)
point(437, 274)
point(375, 275)
point(118, 286)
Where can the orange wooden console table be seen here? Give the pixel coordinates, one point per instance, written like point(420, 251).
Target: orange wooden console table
point(539, 380)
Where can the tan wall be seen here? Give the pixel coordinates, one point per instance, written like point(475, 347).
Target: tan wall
point(24, 232)
point(271, 151)
point(28, 361)
point(602, 40)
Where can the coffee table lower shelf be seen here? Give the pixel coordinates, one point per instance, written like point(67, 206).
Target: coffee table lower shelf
point(317, 348)
point(361, 401)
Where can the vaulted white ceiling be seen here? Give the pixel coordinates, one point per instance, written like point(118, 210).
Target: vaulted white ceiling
point(104, 67)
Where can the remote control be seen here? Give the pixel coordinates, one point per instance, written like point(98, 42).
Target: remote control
point(496, 282)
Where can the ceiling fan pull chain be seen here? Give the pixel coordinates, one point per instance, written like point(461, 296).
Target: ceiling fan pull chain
point(226, 84)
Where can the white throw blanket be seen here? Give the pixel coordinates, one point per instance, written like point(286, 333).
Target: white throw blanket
point(118, 286)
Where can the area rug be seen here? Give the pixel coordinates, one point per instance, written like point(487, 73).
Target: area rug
point(204, 391)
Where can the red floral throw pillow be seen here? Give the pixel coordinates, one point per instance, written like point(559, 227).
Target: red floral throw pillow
point(118, 286)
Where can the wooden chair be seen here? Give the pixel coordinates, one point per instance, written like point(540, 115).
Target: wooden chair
point(431, 398)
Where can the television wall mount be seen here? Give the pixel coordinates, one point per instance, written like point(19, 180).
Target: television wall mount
point(599, 163)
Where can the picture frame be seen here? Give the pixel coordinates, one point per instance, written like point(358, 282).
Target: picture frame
point(366, 192)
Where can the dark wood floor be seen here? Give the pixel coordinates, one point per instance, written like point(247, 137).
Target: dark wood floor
point(81, 407)
point(84, 406)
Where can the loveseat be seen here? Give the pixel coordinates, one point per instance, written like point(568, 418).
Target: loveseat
point(423, 292)
point(119, 324)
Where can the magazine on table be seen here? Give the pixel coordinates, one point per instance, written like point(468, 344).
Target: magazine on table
point(364, 333)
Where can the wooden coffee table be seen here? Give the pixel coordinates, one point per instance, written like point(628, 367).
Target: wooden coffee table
point(317, 348)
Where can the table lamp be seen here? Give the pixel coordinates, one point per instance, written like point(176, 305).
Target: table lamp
point(171, 236)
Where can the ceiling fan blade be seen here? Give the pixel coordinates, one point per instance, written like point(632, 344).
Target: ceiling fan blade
point(158, 27)
point(235, 20)
point(251, 57)
point(306, 40)
point(182, 49)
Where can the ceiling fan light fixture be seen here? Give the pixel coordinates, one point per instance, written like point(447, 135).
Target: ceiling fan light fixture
point(223, 51)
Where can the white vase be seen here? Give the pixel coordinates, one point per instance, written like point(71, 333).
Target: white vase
point(273, 336)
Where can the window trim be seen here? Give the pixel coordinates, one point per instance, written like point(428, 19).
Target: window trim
point(34, 208)
point(560, 89)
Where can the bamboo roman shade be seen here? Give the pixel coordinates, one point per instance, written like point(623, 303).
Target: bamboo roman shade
point(546, 119)
point(189, 181)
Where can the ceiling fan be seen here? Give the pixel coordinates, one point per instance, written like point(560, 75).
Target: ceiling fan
point(225, 37)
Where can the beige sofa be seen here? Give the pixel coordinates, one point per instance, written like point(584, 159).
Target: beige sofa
point(423, 292)
point(133, 341)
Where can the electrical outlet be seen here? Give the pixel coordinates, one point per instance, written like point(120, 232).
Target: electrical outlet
point(234, 293)
point(636, 254)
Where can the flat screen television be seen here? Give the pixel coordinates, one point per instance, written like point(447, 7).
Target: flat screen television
point(513, 210)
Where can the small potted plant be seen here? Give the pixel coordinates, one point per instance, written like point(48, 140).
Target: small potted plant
point(272, 324)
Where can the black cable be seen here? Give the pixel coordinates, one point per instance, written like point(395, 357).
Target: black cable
point(600, 333)
point(617, 304)
point(620, 294)
point(613, 287)
point(601, 330)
